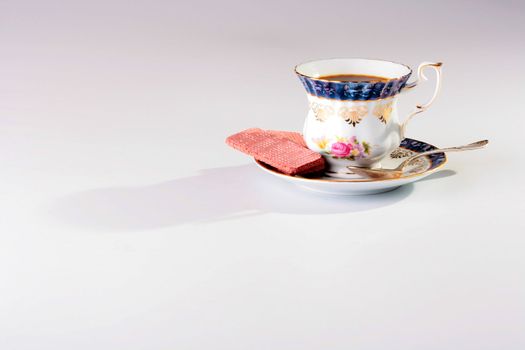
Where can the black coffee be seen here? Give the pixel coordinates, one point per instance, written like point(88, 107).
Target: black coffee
point(354, 78)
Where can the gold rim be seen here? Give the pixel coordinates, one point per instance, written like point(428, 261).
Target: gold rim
point(305, 179)
point(349, 58)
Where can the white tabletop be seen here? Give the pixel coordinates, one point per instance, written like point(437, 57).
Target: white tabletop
point(127, 223)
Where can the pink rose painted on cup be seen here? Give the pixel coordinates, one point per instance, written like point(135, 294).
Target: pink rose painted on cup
point(345, 148)
point(340, 149)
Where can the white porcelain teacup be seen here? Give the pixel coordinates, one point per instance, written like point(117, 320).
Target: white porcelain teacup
point(356, 123)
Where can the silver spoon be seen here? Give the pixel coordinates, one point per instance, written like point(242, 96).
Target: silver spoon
point(398, 172)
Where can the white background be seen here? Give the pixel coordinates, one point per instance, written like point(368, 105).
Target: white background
point(127, 223)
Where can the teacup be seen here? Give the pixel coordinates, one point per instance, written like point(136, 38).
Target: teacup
point(356, 123)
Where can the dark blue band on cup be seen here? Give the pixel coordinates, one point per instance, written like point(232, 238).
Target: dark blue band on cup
point(350, 91)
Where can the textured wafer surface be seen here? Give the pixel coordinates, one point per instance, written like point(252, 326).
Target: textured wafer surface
point(290, 135)
point(277, 150)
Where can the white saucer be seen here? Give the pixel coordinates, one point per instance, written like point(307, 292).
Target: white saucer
point(357, 185)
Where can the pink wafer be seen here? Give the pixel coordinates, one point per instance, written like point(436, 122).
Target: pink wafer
point(279, 152)
point(290, 135)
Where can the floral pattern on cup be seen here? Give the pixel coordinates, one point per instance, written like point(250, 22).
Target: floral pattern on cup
point(383, 111)
point(354, 114)
point(321, 142)
point(321, 112)
point(343, 148)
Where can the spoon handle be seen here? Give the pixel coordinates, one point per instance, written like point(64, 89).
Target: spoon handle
point(470, 146)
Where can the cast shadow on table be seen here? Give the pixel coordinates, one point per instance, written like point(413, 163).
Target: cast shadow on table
point(213, 194)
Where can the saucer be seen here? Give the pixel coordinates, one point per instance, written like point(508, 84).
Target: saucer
point(357, 185)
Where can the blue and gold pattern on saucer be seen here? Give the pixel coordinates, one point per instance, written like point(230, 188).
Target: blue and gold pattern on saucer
point(419, 147)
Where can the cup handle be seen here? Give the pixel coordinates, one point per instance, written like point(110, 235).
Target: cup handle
point(420, 77)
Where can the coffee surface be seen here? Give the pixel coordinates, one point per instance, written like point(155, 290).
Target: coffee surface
point(355, 78)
